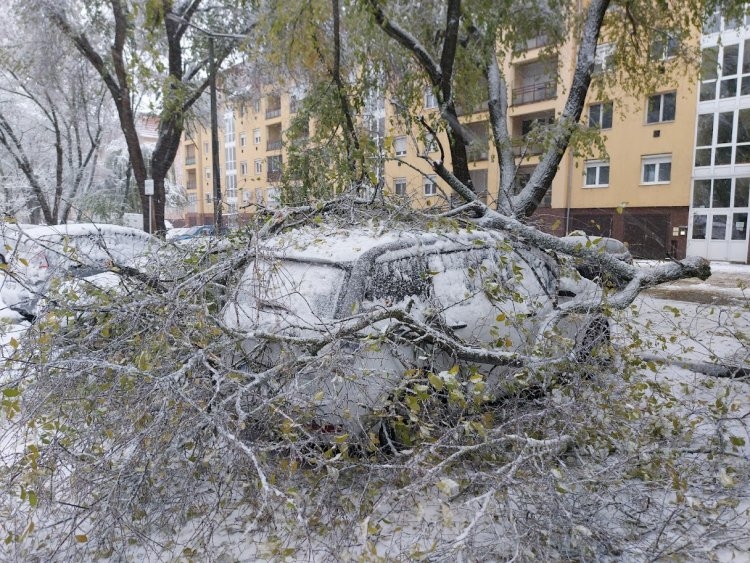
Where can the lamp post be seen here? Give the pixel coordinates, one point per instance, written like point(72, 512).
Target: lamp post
point(214, 135)
point(215, 172)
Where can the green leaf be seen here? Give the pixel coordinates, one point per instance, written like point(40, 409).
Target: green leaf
point(12, 392)
point(435, 381)
point(737, 441)
point(143, 364)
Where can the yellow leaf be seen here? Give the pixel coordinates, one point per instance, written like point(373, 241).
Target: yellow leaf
point(81, 538)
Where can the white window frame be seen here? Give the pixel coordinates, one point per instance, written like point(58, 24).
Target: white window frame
point(400, 145)
point(208, 197)
point(664, 46)
point(243, 139)
point(205, 147)
point(256, 136)
point(599, 108)
point(399, 186)
point(258, 166)
point(599, 165)
point(430, 101)
point(661, 96)
point(243, 168)
point(430, 185)
point(207, 172)
point(658, 161)
point(603, 57)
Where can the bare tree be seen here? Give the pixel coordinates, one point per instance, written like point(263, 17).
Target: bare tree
point(51, 124)
point(127, 34)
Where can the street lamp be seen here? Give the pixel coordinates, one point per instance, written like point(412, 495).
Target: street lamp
point(218, 220)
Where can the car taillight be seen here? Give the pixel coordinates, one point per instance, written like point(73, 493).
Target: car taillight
point(41, 260)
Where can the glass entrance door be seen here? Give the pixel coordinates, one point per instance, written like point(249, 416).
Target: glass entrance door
point(718, 219)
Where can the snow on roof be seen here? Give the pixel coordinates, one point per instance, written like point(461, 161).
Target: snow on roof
point(79, 229)
point(336, 244)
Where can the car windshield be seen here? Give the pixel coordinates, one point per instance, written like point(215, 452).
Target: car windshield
point(291, 287)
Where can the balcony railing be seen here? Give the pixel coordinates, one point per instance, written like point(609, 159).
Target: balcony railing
point(273, 175)
point(522, 148)
point(271, 113)
point(273, 145)
point(189, 160)
point(477, 153)
point(533, 43)
point(191, 186)
point(534, 93)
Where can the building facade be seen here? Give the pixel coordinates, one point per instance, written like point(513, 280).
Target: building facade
point(721, 163)
point(672, 181)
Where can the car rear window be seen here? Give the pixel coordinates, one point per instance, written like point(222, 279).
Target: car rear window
point(291, 287)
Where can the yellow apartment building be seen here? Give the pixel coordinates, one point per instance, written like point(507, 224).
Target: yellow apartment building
point(674, 180)
point(251, 158)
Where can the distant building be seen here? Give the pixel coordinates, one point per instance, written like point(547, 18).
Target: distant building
point(674, 182)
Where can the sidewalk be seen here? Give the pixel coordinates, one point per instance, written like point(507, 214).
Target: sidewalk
point(729, 284)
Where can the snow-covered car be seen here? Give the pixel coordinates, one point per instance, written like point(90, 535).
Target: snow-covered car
point(589, 268)
point(481, 289)
point(35, 256)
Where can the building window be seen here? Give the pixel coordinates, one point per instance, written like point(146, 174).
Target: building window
point(664, 46)
point(430, 101)
point(656, 169)
point(430, 143)
point(399, 145)
point(723, 138)
point(208, 198)
point(207, 172)
point(191, 180)
point(661, 107)
point(259, 166)
point(189, 154)
point(243, 168)
point(600, 115)
point(205, 147)
point(256, 106)
point(604, 57)
point(399, 186)
point(596, 174)
point(535, 81)
point(715, 22)
point(256, 136)
point(430, 187)
point(243, 139)
point(727, 67)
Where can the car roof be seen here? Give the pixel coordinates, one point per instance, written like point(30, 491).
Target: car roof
point(345, 246)
point(79, 229)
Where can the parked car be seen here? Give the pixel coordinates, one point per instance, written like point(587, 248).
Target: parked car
point(35, 256)
point(481, 288)
point(590, 269)
point(188, 233)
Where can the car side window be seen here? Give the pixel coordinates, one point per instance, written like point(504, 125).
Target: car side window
point(393, 281)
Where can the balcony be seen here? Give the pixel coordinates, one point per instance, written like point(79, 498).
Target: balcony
point(521, 147)
point(474, 154)
point(533, 43)
point(273, 145)
point(535, 93)
point(189, 161)
point(273, 175)
point(271, 113)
